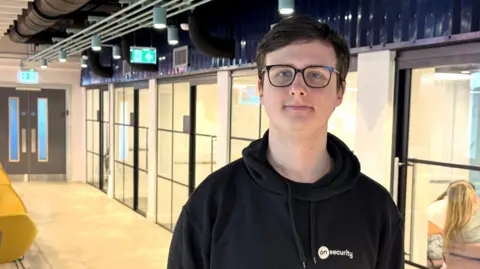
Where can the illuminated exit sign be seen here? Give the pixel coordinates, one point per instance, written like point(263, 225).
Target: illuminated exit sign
point(27, 77)
point(141, 55)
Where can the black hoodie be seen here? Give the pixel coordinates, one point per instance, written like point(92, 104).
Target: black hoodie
point(247, 216)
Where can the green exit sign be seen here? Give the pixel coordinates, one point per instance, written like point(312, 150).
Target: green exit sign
point(27, 77)
point(141, 55)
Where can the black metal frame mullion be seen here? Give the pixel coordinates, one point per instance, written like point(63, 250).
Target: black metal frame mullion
point(135, 148)
point(100, 146)
point(192, 139)
point(172, 156)
point(401, 132)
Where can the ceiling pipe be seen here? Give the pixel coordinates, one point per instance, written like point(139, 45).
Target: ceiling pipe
point(96, 66)
point(81, 41)
point(41, 15)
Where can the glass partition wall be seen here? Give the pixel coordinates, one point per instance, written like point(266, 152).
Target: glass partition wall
point(437, 134)
point(98, 119)
point(131, 146)
point(186, 135)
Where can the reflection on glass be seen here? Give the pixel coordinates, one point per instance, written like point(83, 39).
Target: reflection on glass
point(128, 186)
point(106, 138)
point(90, 135)
point(89, 105)
point(123, 135)
point(245, 104)
point(96, 137)
point(89, 167)
point(96, 170)
point(106, 106)
point(164, 154)
point(181, 106)
point(105, 173)
point(96, 104)
point(343, 120)
point(164, 203)
point(204, 158)
point(119, 175)
point(42, 122)
point(119, 106)
point(142, 191)
point(14, 129)
point(207, 109)
point(180, 158)
point(143, 148)
point(165, 106)
point(444, 115)
point(143, 108)
point(424, 215)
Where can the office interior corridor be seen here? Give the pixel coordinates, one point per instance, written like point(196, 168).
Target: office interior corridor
point(80, 228)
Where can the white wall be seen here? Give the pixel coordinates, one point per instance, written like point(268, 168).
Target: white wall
point(374, 114)
point(57, 76)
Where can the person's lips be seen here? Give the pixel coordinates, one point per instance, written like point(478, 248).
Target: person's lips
point(298, 107)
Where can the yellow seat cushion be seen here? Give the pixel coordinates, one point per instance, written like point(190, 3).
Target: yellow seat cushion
point(3, 176)
point(10, 202)
point(17, 230)
point(17, 233)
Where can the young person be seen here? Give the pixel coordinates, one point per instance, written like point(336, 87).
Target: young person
point(297, 198)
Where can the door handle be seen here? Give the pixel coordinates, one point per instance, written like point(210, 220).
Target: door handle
point(24, 140)
point(33, 143)
point(396, 167)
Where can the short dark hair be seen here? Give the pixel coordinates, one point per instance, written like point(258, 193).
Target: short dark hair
point(303, 28)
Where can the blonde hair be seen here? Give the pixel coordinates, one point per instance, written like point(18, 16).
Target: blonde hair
point(462, 201)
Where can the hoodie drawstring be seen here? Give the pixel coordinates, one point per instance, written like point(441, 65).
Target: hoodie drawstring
point(298, 242)
point(313, 234)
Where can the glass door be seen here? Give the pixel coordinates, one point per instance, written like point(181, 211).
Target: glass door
point(131, 146)
point(186, 137)
point(98, 137)
point(33, 134)
point(437, 134)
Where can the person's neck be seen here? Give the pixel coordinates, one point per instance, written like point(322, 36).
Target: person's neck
point(299, 157)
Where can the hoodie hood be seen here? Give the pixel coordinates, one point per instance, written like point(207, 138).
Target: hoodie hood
point(344, 175)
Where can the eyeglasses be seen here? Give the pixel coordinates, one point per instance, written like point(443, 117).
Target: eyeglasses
point(317, 76)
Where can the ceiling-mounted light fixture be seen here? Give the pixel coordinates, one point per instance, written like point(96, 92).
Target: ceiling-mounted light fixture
point(62, 56)
point(43, 63)
point(286, 7)
point(159, 17)
point(172, 35)
point(184, 26)
point(83, 63)
point(96, 43)
point(116, 52)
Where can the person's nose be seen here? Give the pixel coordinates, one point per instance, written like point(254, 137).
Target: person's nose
point(298, 87)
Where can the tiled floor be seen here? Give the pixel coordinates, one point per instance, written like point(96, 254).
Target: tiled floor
point(80, 228)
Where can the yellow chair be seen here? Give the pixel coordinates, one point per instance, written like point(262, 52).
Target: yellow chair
point(17, 230)
point(3, 176)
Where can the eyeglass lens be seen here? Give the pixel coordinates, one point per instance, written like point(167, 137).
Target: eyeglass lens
point(315, 77)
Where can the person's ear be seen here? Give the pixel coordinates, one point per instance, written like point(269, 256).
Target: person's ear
point(260, 90)
point(341, 93)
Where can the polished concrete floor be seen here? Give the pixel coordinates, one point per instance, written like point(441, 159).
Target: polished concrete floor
point(80, 228)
